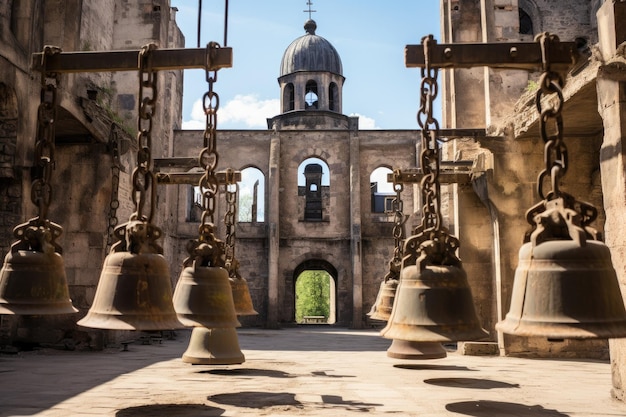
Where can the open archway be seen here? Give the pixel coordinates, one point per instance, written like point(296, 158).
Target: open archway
point(315, 293)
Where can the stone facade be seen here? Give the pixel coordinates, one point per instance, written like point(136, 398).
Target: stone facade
point(96, 112)
point(506, 165)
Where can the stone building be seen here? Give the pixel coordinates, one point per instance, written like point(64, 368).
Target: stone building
point(95, 136)
point(491, 213)
point(316, 205)
point(325, 221)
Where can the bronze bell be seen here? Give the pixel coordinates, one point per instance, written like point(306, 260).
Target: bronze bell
point(32, 280)
point(433, 301)
point(203, 297)
point(406, 349)
point(218, 346)
point(241, 297)
point(381, 310)
point(565, 286)
point(134, 291)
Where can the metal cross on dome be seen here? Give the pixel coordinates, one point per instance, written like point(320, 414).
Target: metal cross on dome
point(309, 3)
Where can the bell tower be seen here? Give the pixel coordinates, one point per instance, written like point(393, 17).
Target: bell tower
point(311, 81)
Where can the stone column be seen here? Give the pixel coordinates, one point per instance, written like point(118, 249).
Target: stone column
point(355, 230)
point(273, 219)
point(611, 88)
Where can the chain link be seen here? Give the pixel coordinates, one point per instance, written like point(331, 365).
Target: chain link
point(551, 123)
point(208, 250)
point(232, 190)
point(395, 264)
point(143, 179)
point(114, 204)
point(41, 191)
point(429, 156)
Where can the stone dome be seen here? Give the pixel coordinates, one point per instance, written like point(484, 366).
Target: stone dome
point(310, 52)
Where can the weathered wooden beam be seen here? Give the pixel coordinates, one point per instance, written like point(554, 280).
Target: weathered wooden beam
point(523, 55)
point(110, 61)
point(192, 178)
point(446, 176)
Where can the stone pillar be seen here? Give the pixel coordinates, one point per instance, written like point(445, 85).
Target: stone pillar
point(355, 232)
point(611, 89)
point(273, 219)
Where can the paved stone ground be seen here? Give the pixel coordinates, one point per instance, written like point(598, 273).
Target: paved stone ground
point(300, 371)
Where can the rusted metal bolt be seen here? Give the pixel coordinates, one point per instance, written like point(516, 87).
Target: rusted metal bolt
point(513, 52)
point(447, 53)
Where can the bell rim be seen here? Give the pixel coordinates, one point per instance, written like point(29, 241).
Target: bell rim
point(526, 328)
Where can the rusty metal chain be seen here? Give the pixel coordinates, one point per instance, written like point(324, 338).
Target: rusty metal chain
point(232, 190)
point(207, 249)
point(395, 264)
point(114, 204)
point(143, 179)
point(429, 156)
point(430, 243)
point(39, 233)
point(41, 191)
point(139, 235)
point(559, 214)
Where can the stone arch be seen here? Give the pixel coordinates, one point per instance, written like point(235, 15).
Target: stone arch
point(318, 264)
point(252, 192)
point(333, 97)
point(381, 190)
point(311, 95)
point(313, 189)
point(289, 98)
point(530, 13)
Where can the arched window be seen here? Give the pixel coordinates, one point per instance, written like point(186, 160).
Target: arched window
point(251, 200)
point(333, 98)
point(313, 188)
point(381, 191)
point(288, 98)
point(310, 95)
point(525, 23)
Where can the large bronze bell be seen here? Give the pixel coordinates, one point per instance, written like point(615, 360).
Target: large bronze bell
point(203, 297)
point(433, 301)
point(32, 280)
point(219, 346)
point(565, 285)
point(134, 291)
point(405, 349)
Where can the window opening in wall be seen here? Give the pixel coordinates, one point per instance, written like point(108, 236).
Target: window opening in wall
point(313, 185)
point(382, 192)
point(310, 95)
point(251, 204)
point(315, 297)
point(289, 98)
point(525, 23)
point(332, 97)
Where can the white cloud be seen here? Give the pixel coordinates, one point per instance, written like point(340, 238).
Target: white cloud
point(365, 123)
point(243, 111)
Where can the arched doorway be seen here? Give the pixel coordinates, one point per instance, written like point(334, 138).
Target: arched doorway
point(315, 293)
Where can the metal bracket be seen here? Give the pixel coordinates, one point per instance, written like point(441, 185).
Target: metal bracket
point(110, 61)
point(449, 174)
point(524, 55)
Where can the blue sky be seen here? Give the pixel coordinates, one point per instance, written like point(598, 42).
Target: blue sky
point(369, 36)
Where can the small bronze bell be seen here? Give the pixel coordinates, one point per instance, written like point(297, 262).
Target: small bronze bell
point(241, 297)
point(203, 297)
point(433, 301)
point(32, 280)
point(405, 349)
point(565, 286)
point(381, 309)
point(134, 291)
point(219, 346)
